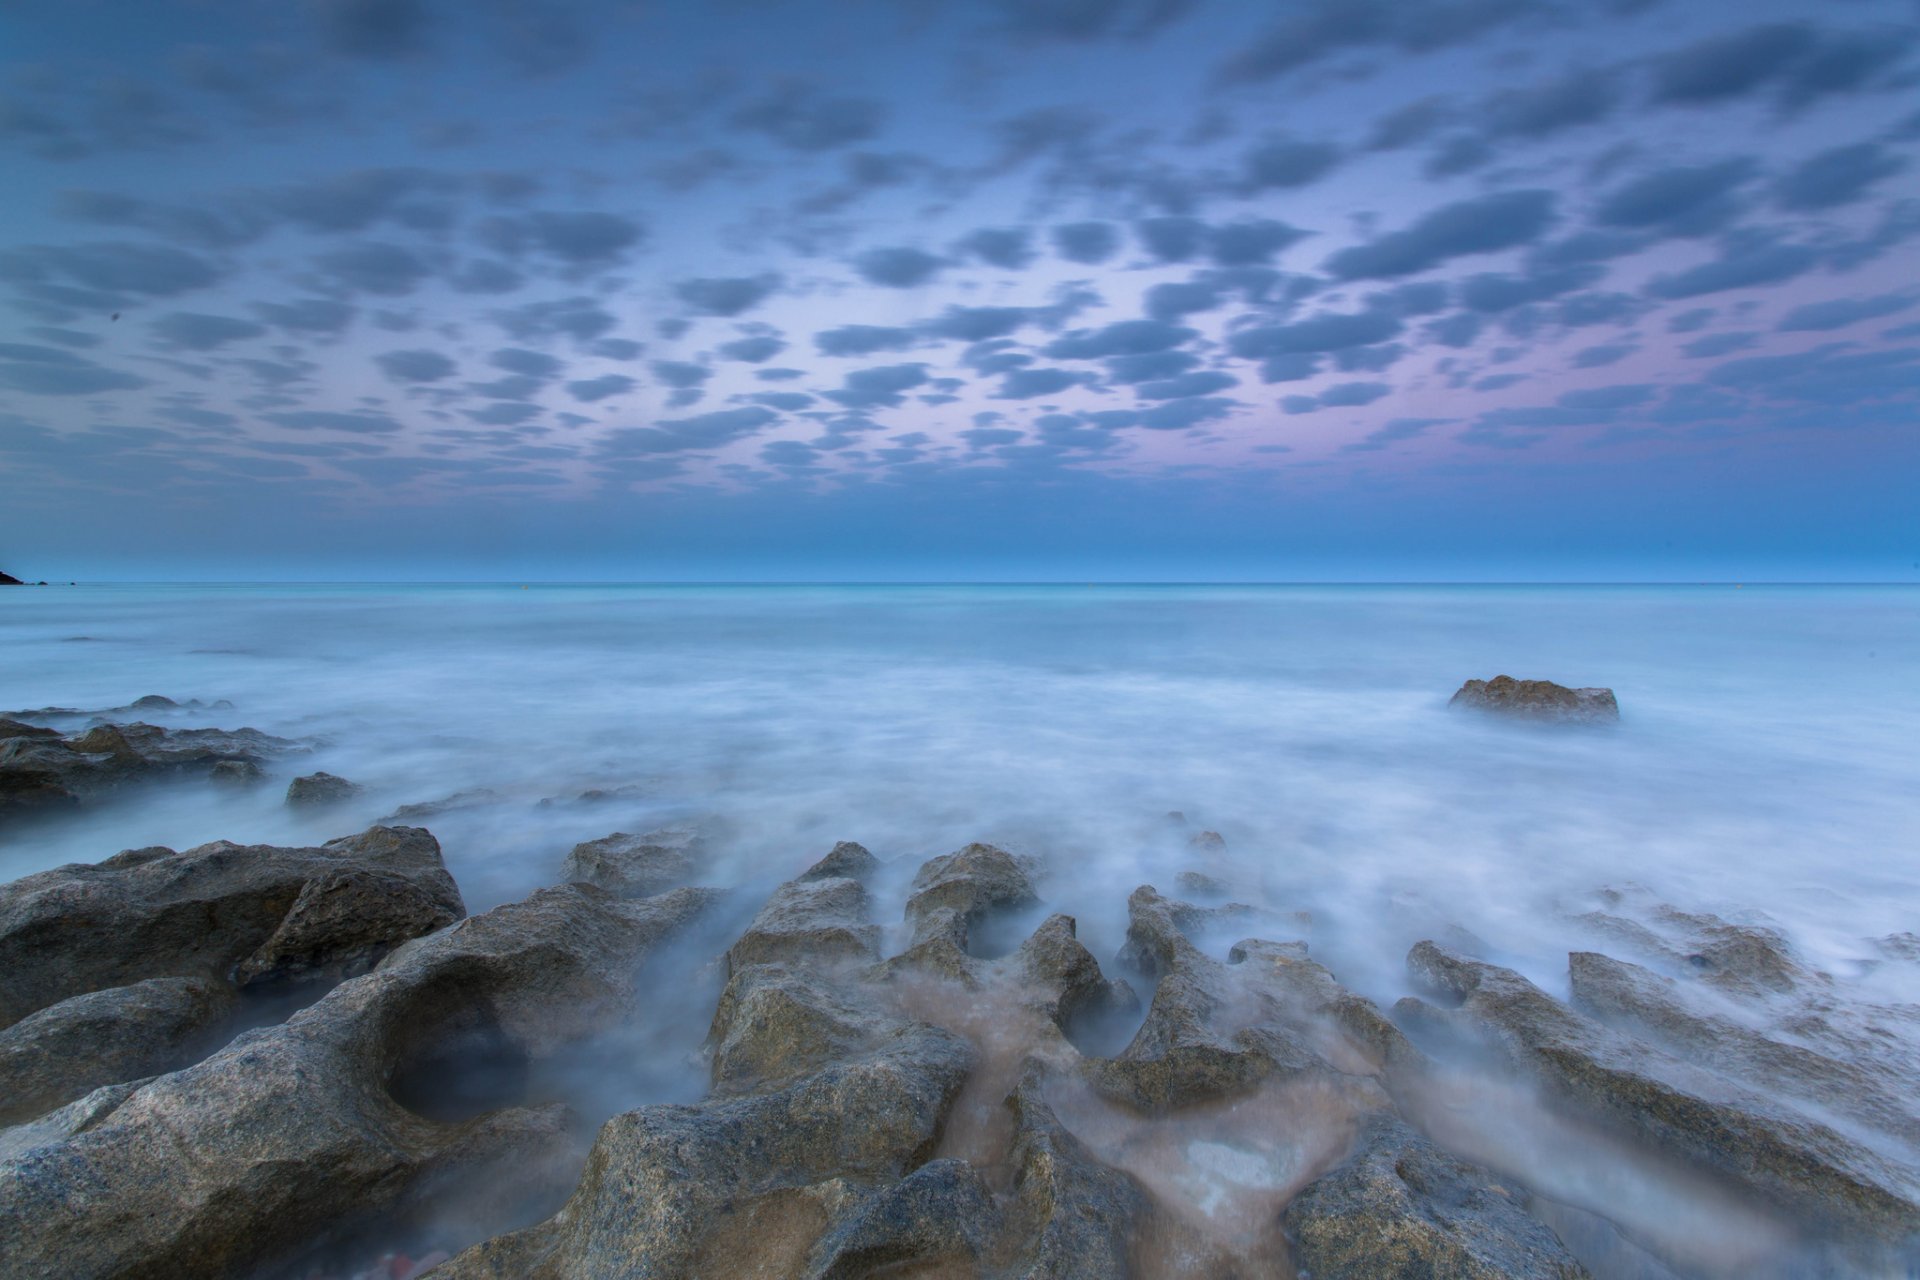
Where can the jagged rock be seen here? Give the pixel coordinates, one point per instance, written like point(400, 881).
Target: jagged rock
point(1215, 1030)
point(955, 894)
point(939, 1219)
point(320, 789)
point(637, 866)
point(18, 729)
point(67, 1050)
point(791, 1158)
point(1207, 843)
point(1538, 700)
point(1796, 1161)
point(1401, 1207)
point(307, 1130)
point(203, 913)
point(8, 580)
point(344, 923)
point(471, 798)
point(822, 915)
point(1060, 979)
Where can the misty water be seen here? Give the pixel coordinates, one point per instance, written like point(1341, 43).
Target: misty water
point(1764, 767)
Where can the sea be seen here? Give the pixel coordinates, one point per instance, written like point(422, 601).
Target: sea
point(1765, 767)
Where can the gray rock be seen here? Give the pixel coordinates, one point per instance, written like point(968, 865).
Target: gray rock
point(68, 1050)
point(1401, 1207)
point(637, 866)
point(237, 773)
point(307, 1130)
point(1537, 700)
point(203, 913)
point(320, 789)
point(953, 895)
point(1799, 1163)
point(43, 772)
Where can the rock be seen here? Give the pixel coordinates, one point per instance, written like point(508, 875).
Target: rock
point(306, 1131)
point(637, 866)
point(8, 580)
point(344, 923)
point(320, 789)
point(799, 1165)
point(472, 798)
point(1538, 700)
point(1795, 1160)
point(1208, 843)
point(41, 771)
point(67, 1050)
point(237, 773)
point(1401, 1207)
point(208, 911)
point(953, 895)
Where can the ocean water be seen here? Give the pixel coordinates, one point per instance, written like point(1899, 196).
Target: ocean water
point(1767, 760)
point(1766, 766)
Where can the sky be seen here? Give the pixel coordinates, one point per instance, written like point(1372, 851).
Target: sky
point(970, 289)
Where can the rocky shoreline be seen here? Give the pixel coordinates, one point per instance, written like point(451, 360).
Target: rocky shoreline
point(311, 1062)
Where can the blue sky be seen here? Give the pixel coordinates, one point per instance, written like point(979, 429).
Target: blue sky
point(1165, 289)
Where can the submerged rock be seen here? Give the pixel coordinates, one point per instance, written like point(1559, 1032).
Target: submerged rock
point(319, 789)
point(1538, 700)
point(303, 1131)
point(1794, 1159)
point(42, 770)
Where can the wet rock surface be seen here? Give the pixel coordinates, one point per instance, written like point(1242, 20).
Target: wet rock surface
point(322, 788)
point(1537, 700)
point(925, 1074)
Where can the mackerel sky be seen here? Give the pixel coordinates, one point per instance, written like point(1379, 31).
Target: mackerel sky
point(960, 288)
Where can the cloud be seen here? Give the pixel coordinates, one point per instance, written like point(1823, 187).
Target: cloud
point(1835, 177)
point(485, 275)
point(1803, 63)
point(753, 350)
point(362, 422)
point(1482, 225)
point(878, 387)
point(1841, 312)
point(801, 118)
point(1579, 98)
point(1745, 261)
point(581, 239)
point(114, 267)
point(49, 371)
point(1321, 28)
point(415, 366)
point(1832, 376)
point(897, 268)
point(728, 295)
point(1493, 292)
point(1328, 331)
point(1086, 242)
point(786, 401)
point(680, 373)
point(389, 270)
point(1010, 248)
point(863, 340)
point(1172, 239)
point(1030, 384)
point(1198, 383)
point(1685, 200)
point(1150, 366)
point(1080, 20)
point(528, 364)
point(306, 315)
point(590, 390)
point(977, 324)
point(1394, 431)
point(1285, 163)
point(675, 435)
point(1250, 242)
point(1600, 356)
point(1123, 337)
point(193, 331)
point(379, 29)
point(582, 319)
point(1718, 344)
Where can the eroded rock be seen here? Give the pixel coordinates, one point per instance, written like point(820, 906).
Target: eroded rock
point(321, 788)
point(42, 770)
point(301, 1131)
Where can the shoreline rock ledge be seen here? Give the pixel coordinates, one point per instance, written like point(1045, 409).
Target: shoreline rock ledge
point(1537, 700)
